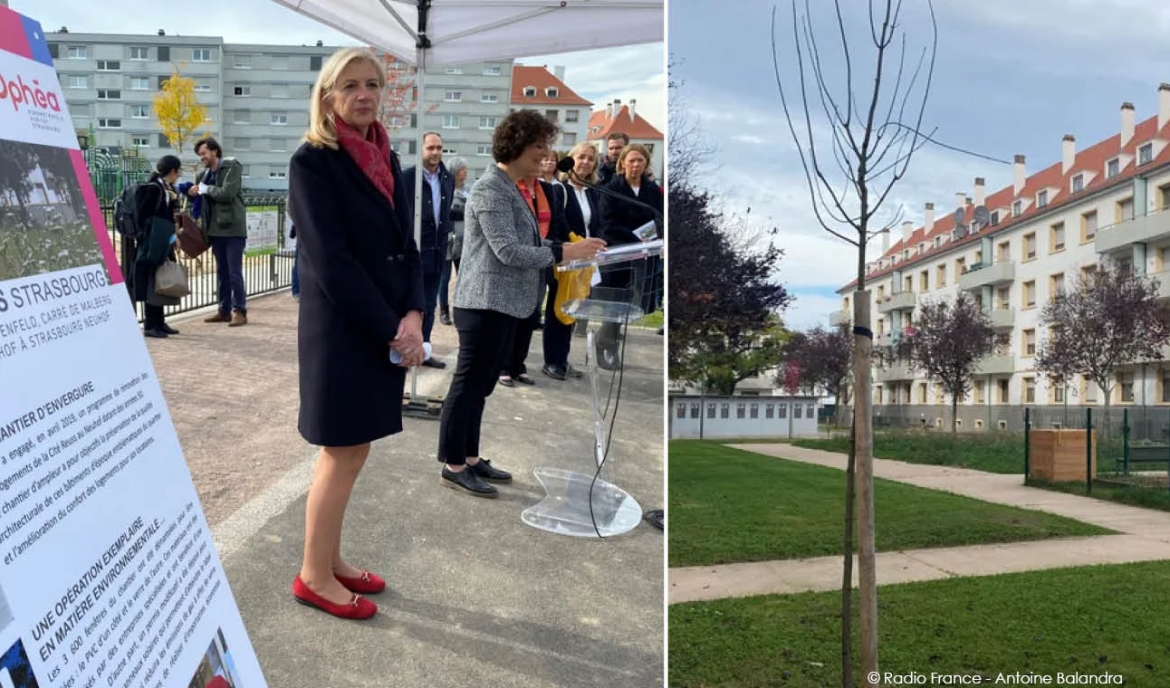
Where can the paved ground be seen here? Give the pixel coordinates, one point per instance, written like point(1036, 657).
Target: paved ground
point(1144, 535)
point(476, 597)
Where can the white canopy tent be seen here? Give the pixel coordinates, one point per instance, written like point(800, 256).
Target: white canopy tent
point(439, 32)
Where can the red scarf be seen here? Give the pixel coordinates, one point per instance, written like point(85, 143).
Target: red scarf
point(544, 214)
point(371, 153)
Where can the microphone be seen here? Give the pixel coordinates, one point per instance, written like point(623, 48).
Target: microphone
point(566, 165)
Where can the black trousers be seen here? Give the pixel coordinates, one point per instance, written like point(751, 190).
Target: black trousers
point(154, 317)
point(485, 338)
point(521, 342)
point(558, 337)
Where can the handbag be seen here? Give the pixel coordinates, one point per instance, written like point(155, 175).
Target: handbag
point(190, 237)
point(171, 280)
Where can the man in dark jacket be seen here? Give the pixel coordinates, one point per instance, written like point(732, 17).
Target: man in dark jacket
point(225, 221)
point(438, 188)
point(614, 143)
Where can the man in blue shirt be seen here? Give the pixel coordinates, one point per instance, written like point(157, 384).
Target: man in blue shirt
point(437, 191)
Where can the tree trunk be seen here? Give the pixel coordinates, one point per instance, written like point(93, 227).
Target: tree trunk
point(954, 415)
point(847, 576)
point(863, 421)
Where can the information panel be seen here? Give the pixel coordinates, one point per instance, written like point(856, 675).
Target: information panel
point(108, 572)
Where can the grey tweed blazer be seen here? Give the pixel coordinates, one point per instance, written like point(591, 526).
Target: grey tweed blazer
point(504, 258)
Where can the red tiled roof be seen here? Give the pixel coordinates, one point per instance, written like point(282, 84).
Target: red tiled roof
point(1091, 159)
point(636, 128)
point(524, 76)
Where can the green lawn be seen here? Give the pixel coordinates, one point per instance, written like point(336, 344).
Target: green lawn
point(1089, 620)
point(1150, 495)
point(654, 320)
point(992, 452)
point(728, 505)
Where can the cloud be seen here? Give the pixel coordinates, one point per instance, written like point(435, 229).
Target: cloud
point(809, 310)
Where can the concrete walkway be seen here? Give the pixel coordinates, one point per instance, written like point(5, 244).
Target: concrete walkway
point(1144, 535)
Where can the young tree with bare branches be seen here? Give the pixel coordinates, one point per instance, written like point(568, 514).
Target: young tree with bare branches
point(870, 135)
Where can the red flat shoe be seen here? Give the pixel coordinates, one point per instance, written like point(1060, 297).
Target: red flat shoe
point(367, 583)
point(358, 608)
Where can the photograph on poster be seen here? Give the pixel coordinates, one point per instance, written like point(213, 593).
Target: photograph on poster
point(216, 669)
point(15, 671)
point(44, 226)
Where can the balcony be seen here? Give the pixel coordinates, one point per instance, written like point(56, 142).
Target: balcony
point(886, 339)
point(1163, 279)
point(898, 302)
point(894, 373)
point(1002, 318)
point(839, 318)
point(984, 275)
point(997, 364)
point(1139, 230)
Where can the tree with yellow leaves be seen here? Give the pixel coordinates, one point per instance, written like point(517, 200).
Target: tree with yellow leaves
point(178, 111)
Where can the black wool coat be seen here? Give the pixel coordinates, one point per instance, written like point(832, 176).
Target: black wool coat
point(359, 276)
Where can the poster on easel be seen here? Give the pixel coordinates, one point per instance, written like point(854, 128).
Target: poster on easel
point(108, 572)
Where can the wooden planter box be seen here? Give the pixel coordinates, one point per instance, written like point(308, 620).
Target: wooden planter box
point(1059, 455)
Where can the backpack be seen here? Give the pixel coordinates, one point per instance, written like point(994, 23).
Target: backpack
point(126, 213)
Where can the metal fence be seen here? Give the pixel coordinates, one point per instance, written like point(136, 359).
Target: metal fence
point(263, 272)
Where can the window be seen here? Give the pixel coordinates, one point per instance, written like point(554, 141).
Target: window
point(108, 65)
point(488, 122)
point(277, 174)
point(740, 410)
point(1030, 294)
point(1017, 208)
point(483, 149)
point(1003, 391)
point(694, 410)
point(1145, 153)
point(77, 52)
point(242, 61)
point(453, 96)
point(960, 267)
point(162, 141)
point(1042, 199)
point(109, 94)
point(1003, 298)
point(682, 410)
point(924, 280)
point(1124, 210)
point(725, 410)
point(529, 91)
point(1087, 271)
point(978, 257)
point(796, 409)
point(769, 410)
point(1125, 387)
point(104, 123)
point(315, 63)
point(1090, 391)
point(204, 86)
point(278, 118)
point(491, 71)
point(242, 117)
point(489, 98)
point(139, 53)
point(1088, 226)
point(940, 276)
point(450, 121)
point(994, 218)
point(1057, 394)
point(811, 413)
point(1055, 286)
point(242, 90)
point(1111, 168)
point(755, 411)
point(164, 53)
point(552, 92)
point(201, 54)
point(278, 146)
point(451, 69)
point(1078, 183)
point(139, 83)
point(711, 411)
point(572, 116)
point(881, 292)
point(1003, 252)
point(78, 82)
point(782, 412)
point(1056, 238)
point(569, 138)
point(907, 285)
point(1029, 338)
point(551, 115)
point(978, 391)
point(142, 142)
point(1029, 390)
point(140, 111)
point(1030, 246)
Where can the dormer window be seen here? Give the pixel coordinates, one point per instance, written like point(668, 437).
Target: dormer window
point(1078, 183)
point(1017, 208)
point(906, 254)
point(1112, 168)
point(1042, 199)
point(552, 92)
point(994, 218)
point(1146, 154)
point(921, 248)
point(529, 91)
point(937, 241)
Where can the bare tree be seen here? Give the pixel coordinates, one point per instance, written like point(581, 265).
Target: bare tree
point(947, 343)
point(870, 134)
point(689, 150)
point(1110, 317)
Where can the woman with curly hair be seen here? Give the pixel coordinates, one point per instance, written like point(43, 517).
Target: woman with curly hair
point(501, 281)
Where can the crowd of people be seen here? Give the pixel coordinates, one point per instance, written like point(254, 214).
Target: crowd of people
point(369, 294)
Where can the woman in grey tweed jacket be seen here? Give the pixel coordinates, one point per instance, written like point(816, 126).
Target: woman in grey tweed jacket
point(500, 282)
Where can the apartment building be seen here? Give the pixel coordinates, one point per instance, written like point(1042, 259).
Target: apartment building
point(1012, 250)
point(625, 118)
point(257, 98)
point(536, 88)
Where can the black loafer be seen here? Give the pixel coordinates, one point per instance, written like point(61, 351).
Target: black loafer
point(555, 372)
point(434, 363)
point(155, 332)
point(469, 481)
point(574, 373)
point(168, 329)
point(486, 471)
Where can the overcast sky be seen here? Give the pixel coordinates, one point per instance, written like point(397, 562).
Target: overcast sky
point(1010, 77)
point(599, 75)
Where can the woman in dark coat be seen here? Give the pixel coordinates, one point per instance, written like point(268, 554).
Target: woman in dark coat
point(155, 199)
point(619, 219)
point(361, 302)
